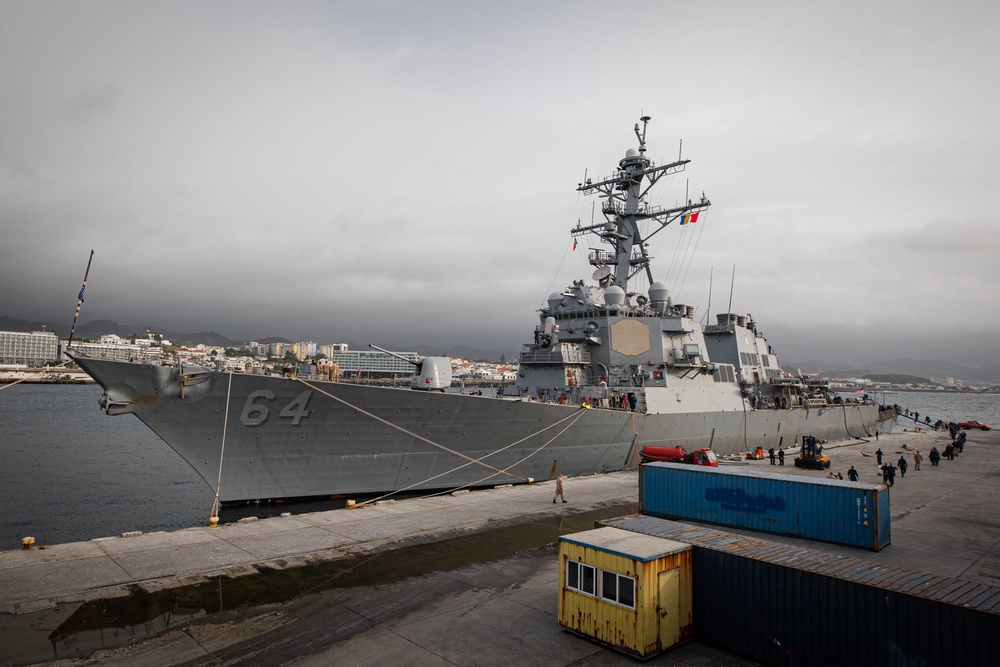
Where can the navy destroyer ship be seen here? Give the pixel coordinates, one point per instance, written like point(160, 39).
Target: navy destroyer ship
point(608, 370)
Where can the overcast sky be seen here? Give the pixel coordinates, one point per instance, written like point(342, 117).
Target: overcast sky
point(404, 173)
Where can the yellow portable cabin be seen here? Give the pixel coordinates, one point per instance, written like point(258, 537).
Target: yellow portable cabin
point(629, 591)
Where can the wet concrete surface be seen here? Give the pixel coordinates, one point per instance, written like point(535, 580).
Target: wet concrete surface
point(481, 599)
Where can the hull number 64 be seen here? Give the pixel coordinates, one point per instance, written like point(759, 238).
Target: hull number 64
point(256, 411)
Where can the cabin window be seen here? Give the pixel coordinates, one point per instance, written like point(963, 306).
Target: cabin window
point(582, 578)
point(618, 588)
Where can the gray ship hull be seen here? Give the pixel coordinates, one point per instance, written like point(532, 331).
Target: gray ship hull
point(276, 437)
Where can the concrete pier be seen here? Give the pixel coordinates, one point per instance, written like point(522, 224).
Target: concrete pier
point(461, 579)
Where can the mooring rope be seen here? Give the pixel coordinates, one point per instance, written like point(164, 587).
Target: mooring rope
point(222, 450)
point(11, 384)
point(633, 454)
point(496, 471)
point(575, 417)
point(864, 426)
point(847, 428)
point(411, 433)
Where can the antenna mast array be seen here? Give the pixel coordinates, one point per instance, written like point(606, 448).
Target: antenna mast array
point(624, 208)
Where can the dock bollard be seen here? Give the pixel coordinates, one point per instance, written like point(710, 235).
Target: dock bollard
point(213, 522)
point(27, 542)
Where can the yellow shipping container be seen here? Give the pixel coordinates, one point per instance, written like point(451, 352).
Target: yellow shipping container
point(624, 589)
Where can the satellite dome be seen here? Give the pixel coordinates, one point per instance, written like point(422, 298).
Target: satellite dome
point(658, 292)
point(554, 300)
point(614, 296)
point(631, 153)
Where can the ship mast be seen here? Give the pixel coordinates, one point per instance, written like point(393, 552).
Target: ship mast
point(624, 209)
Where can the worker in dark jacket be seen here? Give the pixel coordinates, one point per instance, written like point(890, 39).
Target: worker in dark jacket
point(935, 456)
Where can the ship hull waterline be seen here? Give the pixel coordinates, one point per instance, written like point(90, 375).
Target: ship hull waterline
point(282, 438)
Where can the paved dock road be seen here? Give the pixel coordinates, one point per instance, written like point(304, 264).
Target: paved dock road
point(458, 580)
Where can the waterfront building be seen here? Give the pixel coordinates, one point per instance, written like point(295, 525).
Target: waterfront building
point(32, 349)
point(329, 349)
point(373, 364)
point(106, 348)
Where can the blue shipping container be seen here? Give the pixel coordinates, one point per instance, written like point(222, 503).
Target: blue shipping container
point(827, 510)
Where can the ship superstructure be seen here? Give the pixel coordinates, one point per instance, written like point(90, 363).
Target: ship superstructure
point(610, 346)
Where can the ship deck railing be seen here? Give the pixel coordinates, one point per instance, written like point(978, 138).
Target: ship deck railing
point(555, 355)
point(641, 211)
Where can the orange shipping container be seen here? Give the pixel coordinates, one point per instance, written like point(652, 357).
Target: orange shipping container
point(629, 591)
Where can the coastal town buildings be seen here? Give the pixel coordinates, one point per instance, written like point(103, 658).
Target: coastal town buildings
point(148, 348)
point(38, 348)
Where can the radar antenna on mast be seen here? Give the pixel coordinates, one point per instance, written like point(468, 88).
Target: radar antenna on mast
point(641, 136)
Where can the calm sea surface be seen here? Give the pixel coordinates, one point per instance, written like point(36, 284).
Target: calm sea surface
point(71, 473)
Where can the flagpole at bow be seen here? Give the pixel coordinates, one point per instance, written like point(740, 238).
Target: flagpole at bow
point(80, 301)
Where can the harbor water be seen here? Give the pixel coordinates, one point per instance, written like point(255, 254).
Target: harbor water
point(71, 473)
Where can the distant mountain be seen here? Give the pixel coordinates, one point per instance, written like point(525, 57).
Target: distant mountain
point(897, 378)
point(8, 323)
point(270, 340)
point(934, 368)
point(816, 366)
point(97, 328)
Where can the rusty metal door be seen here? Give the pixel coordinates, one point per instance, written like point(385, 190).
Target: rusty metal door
point(668, 607)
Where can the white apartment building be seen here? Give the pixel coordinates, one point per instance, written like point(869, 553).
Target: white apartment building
point(32, 349)
point(373, 364)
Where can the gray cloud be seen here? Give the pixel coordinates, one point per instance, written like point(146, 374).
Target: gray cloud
point(406, 172)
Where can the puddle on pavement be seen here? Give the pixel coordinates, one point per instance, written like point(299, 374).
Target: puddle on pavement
point(103, 624)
